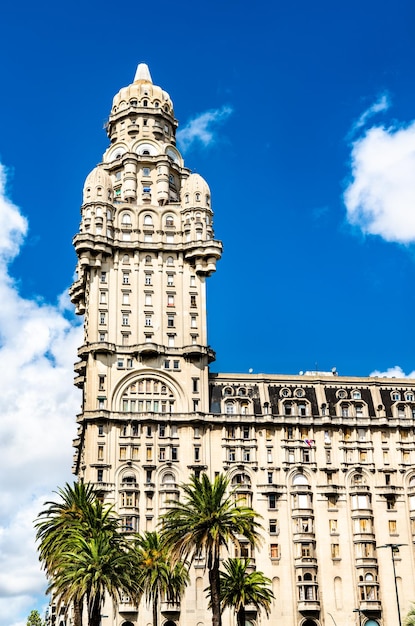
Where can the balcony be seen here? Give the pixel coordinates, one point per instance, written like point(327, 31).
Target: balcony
point(170, 609)
point(198, 351)
point(308, 606)
point(370, 606)
point(150, 349)
point(126, 606)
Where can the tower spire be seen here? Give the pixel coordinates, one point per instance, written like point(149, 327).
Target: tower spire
point(143, 73)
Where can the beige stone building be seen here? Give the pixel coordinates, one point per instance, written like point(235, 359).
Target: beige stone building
point(327, 461)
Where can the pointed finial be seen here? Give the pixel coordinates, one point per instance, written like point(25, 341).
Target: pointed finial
point(143, 73)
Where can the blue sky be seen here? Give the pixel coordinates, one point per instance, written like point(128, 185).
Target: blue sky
point(301, 117)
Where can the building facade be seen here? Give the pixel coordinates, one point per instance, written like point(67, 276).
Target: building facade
point(327, 461)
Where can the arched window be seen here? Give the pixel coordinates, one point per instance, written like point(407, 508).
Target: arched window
point(170, 260)
point(300, 479)
point(229, 408)
point(126, 218)
point(148, 220)
point(168, 479)
point(169, 220)
point(197, 197)
point(145, 103)
point(148, 260)
point(186, 198)
point(241, 480)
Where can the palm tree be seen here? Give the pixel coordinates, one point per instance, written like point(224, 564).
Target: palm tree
point(204, 523)
point(54, 524)
point(83, 552)
point(240, 587)
point(157, 576)
point(410, 617)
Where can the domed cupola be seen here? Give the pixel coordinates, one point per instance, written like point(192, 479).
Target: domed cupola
point(195, 192)
point(142, 94)
point(98, 186)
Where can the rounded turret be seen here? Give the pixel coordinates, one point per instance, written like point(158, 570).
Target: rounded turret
point(98, 186)
point(195, 192)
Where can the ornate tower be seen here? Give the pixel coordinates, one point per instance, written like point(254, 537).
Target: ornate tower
point(145, 247)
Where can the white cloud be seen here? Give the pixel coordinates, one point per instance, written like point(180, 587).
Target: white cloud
point(380, 197)
point(38, 405)
point(393, 372)
point(381, 104)
point(202, 128)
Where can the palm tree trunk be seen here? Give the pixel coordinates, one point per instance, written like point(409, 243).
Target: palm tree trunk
point(77, 613)
point(214, 581)
point(155, 611)
point(95, 611)
point(240, 616)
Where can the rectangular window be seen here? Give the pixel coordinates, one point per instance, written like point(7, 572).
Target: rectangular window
point(272, 501)
point(100, 429)
point(103, 277)
point(100, 453)
point(147, 278)
point(246, 456)
point(147, 299)
point(193, 302)
point(170, 341)
point(273, 527)
point(392, 526)
point(148, 320)
point(390, 503)
point(170, 280)
point(101, 383)
point(274, 551)
point(100, 475)
point(103, 297)
point(335, 550)
point(162, 430)
point(125, 319)
point(162, 454)
point(125, 278)
point(197, 453)
point(269, 455)
point(231, 454)
point(102, 318)
point(245, 432)
point(149, 454)
point(123, 453)
point(170, 300)
point(333, 525)
point(170, 321)
point(306, 550)
point(174, 453)
point(270, 478)
point(166, 364)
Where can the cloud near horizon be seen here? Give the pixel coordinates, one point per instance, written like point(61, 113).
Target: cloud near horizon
point(380, 196)
point(202, 129)
point(392, 372)
point(38, 405)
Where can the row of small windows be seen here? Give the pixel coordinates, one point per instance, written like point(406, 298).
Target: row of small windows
point(144, 102)
point(147, 219)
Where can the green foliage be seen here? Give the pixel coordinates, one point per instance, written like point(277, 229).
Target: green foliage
point(34, 619)
point(84, 553)
point(239, 587)
point(203, 523)
point(158, 577)
point(410, 617)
